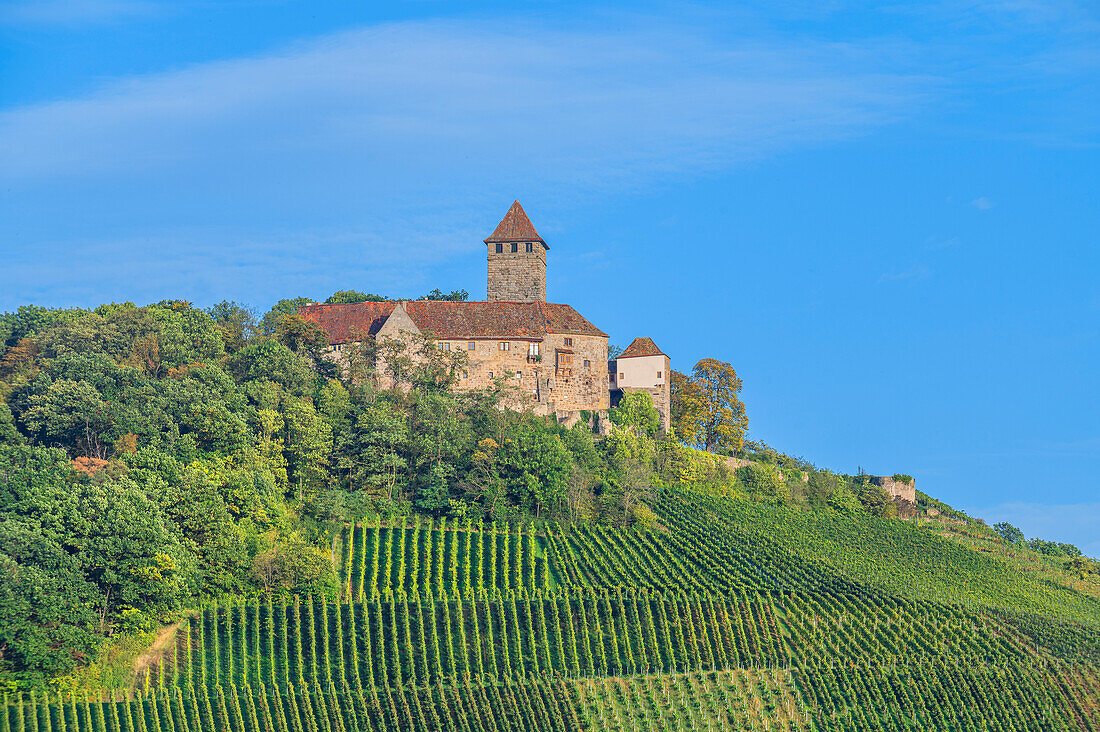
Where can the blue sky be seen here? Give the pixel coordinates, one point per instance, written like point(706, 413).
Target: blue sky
point(884, 216)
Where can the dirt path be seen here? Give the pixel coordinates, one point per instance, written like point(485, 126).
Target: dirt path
point(154, 654)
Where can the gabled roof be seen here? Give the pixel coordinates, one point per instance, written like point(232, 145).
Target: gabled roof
point(515, 226)
point(346, 322)
point(453, 320)
point(641, 347)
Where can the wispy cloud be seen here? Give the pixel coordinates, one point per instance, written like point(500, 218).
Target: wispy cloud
point(982, 203)
point(424, 121)
point(941, 242)
point(447, 96)
point(70, 12)
point(916, 272)
point(1077, 523)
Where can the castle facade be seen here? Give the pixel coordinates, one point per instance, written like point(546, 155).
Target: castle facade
point(556, 358)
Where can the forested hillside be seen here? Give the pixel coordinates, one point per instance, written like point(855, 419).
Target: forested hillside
point(206, 525)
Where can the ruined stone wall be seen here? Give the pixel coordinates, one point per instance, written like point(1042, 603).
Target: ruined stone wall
point(905, 490)
point(517, 276)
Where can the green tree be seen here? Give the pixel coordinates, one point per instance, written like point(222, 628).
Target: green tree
point(269, 360)
point(686, 409)
point(47, 620)
point(636, 412)
point(351, 296)
point(452, 296)
point(844, 500)
point(373, 453)
point(722, 418)
point(1008, 532)
point(308, 443)
point(295, 568)
point(8, 433)
point(440, 440)
point(764, 482)
point(124, 547)
point(237, 323)
point(286, 306)
point(73, 413)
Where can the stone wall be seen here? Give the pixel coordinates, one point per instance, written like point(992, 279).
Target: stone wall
point(519, 276)
point(905, 490)
point(544, 384)
point(581, 384)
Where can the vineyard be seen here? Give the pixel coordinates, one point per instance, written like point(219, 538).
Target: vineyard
point(729, 616)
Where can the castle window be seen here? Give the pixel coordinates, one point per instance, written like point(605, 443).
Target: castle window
point(533, 349)
point(622, 376)
point(658, 374)
point(339, 347)
point(465, 375)
point(490, 374)
point(568, 341)
point(565, 359)
point(500, 249)
point(505, 346)
point(446, 346)
point(530, 246)
point(515, 247)
point(587, 363)
point(471, 346)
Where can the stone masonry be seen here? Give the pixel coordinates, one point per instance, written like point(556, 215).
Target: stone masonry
point(517, 260)
point(905, 490)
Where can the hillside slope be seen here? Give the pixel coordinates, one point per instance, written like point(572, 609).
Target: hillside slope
point(730, 615)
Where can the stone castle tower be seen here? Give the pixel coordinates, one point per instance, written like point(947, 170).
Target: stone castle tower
point(517, 260)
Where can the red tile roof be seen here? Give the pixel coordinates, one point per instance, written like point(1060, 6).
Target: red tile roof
point(641, 347)
point(453, 320)
point(515, 226)
point(346, 322)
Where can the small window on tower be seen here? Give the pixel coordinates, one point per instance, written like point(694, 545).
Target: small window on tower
point(568, 341)
point(587, 363)
point(515, 247)
point(530, 246)
point(500, 249)
point(658, 374)
point(505, 346)
point(471, 346)
point(622, 376)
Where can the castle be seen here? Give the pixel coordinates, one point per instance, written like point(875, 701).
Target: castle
point(551, 353)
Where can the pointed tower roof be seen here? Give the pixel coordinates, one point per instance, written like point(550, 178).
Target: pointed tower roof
point(641, 347)
point(515, 226)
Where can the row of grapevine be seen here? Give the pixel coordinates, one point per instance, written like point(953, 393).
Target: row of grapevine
point(951, 696)
point(394, 640)
point(742, 699)
point(898, 557)
point(536, 705)
point(401, 640)
point(451, 557)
